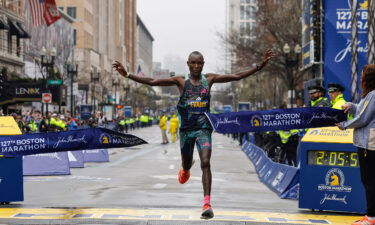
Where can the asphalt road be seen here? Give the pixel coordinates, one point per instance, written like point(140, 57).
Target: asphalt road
point(139, 186)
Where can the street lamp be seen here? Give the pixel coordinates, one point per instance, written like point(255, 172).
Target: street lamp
point(115, 82)
point(126, 89)
point(47, 62)
point(72, 73)
point(94, 78)
point(291, 61)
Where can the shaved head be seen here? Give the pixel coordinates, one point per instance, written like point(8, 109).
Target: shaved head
point(195, 53)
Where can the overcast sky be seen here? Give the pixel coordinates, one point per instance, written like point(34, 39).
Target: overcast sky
point(182, 26)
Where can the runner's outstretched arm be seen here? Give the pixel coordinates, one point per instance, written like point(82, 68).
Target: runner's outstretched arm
point(146, 80)
point(216, 78)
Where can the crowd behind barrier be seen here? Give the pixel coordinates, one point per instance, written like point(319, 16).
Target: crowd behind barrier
point(34, 122)
point(280, 146)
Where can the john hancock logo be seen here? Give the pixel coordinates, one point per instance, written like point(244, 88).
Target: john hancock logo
point(105, 139)
point(334, 181)
point(256, 121)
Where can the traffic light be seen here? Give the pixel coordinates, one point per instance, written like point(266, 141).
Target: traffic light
point(119, 106)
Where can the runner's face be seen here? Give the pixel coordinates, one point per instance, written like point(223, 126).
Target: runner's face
point(195, 64)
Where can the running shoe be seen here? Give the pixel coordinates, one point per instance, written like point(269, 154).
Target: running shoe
point(365, 221)
point(183, 176)
point(207, 212)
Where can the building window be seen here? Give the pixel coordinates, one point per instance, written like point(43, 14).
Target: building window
point(244, 29)
point(246, 12)
point(71, 12)
point(74, 37)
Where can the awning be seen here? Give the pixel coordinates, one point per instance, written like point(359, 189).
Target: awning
point(17, 29)
point(3, 25)
point(14, 29)
point(26, 35)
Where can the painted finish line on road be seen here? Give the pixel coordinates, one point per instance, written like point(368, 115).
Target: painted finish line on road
point(166, 214)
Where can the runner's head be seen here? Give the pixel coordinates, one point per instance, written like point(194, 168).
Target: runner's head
point(195, 63)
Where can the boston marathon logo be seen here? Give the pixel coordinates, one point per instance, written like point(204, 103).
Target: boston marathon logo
point(105, 139)
point(334, 181)
point(256, 121)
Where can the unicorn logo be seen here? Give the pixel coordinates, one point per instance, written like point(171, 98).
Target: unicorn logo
point(105, 139)
point(335, 180)
point(256, 121)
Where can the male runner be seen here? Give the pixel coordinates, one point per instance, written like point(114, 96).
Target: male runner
point(194, 101)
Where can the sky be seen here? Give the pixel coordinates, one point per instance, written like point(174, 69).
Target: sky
point(182, 26)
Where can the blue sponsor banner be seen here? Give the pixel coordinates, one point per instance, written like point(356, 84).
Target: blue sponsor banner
point(86, 111)
point(338, 42)
point(56, 163)
point(76, 159)
point(280, 178)
point(96, 155)
point(128, 111)
point(277, 119)
point(93, 138)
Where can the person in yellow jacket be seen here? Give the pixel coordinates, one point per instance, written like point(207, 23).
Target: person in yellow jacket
point(163, 128)
point(336, 96)
point(289, 140)
point(173, 126)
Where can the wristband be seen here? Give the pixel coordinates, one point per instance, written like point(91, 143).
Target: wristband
point(257, 67)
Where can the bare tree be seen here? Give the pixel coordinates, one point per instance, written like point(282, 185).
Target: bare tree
point(278, 23)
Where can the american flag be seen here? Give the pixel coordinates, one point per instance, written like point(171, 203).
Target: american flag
point(37, 11)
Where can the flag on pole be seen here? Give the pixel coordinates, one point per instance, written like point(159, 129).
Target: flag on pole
point(51, 13)
point(44, 11)
point(37, 11)
point(139, 71)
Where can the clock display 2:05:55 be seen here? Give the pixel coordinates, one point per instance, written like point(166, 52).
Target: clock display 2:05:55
point(332, 158)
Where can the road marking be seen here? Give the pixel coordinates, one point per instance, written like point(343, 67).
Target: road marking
point(167, 214)
point(159, 186)
point(129, 157)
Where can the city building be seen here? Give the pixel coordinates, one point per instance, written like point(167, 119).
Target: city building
point(104, 31)
point(240, 18)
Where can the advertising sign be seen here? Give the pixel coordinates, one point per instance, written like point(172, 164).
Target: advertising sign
point(128, 111)
point(243, 106)
point(338, 41)
point(307, 40)
point(86, 111)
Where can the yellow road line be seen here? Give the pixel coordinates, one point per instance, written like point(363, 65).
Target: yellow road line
point(167, 214)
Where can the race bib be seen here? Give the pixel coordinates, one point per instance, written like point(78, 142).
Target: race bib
point(197, 106)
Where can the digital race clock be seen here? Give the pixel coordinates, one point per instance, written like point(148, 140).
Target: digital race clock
point(332, 158)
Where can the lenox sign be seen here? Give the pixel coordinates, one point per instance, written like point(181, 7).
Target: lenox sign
point(27, 91)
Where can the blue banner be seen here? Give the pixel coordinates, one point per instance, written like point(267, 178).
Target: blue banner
point(338, 42)
point(56, 163)
point(97, 155)
point(76, 159)
point(86, 111)
point(277, 119)
point(93, 138)
point(280, 178)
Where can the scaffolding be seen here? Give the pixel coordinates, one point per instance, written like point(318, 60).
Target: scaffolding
point(354, 47)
